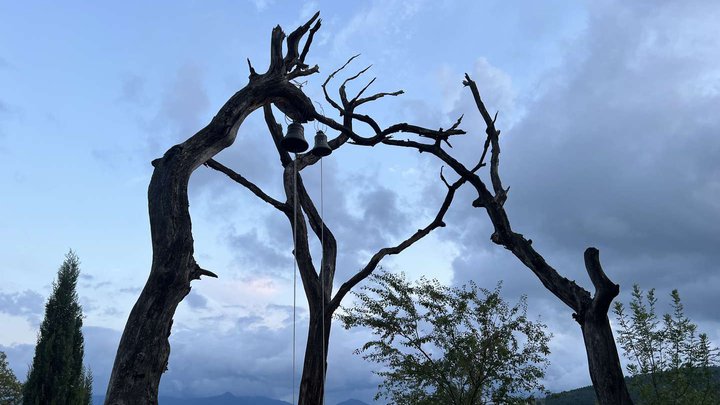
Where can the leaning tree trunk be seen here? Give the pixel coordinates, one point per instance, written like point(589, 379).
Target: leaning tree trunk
point(144, 348)
point(312, 382)
point(603, 359)
point(590, 311)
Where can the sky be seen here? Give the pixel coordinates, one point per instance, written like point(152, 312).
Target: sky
point(610, 138)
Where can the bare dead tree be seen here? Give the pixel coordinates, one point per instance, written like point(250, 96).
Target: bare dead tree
point(590, 310)
point(144, 349)
point(315, 283)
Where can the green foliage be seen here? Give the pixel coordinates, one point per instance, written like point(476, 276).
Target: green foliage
point(586, 395)
point(442, 345)
point(57, 375)
point(86, 389)
point(10, 387)
point(671, 360)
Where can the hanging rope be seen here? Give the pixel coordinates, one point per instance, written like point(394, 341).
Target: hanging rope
point(322, 264)
point(294, 271)
point(322, 279)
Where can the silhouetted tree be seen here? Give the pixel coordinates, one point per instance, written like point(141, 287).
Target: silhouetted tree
point(57, 376)
point(10, 387)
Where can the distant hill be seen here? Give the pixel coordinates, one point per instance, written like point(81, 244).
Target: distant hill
point(224, 399)
point(586, 395)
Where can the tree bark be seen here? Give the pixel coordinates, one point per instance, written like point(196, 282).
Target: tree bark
point(603, 361)
point(312, 382)
point(144, 349)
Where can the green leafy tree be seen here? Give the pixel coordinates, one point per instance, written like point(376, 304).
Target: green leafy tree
point(57, 375)
point(442, 345)
point(672, 361)
point(10, 387)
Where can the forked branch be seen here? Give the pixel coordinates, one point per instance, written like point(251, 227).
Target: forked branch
point(372, 264)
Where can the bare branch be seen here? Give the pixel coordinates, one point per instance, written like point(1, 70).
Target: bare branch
point(303, 72)
point(442, 177)
point(238, 178)
point(277, 135)
point(605, 290)
point(492, 138)
point(277, 63)
point(369, 121)
point(323, 233)
point(342, 91)
point(375, 96)
point(437, 222)
point(567, 291)
point(253, 73)
point(311, 35)
point(383, 135)
point(351, 78)
point(199, 271)
point(308, 274)
point(293, 41)
point(424, 132)
point(363, 90)
point(330, 77)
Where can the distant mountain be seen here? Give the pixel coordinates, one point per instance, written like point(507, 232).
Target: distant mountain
point(224, 399)
point(586, 395)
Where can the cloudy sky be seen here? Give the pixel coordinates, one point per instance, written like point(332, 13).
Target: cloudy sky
point(611, 137)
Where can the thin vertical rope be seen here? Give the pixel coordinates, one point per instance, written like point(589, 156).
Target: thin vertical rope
point(294, 271)
point(322, 280)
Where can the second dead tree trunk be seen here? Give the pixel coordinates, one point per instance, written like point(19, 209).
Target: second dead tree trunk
point(590, 310)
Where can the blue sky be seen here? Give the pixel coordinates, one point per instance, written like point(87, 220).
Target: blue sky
point(609, 117)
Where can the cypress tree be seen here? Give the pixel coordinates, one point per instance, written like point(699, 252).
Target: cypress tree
point(57, 375)
point(10, 387)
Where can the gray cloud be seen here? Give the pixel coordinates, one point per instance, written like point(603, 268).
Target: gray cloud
point(19, 358)
point(256, 252)
point(616, 149)
point(196, 300)
point(619, 152)
point(101, 344)
point(254, 359)
point(249, 359)
point(363, 215)
point(28, 304)
point(181, 111)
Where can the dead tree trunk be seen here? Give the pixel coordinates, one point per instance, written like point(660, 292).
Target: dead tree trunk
point(312, 382)
point(315, 283)
point(144, 349)
point(590, 311)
